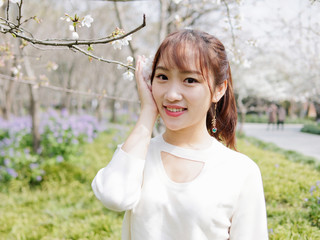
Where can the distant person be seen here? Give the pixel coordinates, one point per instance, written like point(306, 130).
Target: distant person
point(185, 184)
point(272, 116)
point(281, 117)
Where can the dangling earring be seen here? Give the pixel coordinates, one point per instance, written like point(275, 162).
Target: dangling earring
point(214, 120)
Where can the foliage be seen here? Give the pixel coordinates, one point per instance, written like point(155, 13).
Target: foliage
point(263, 118)
point(311, 128)
point(255, 118)
point(313, 203)
point(61, 134)
point(64, 206)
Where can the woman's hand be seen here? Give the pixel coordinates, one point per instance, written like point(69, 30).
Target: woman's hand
point(144, 89)
point(138, 141)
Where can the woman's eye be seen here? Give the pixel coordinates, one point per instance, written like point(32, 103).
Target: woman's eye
point(162, 77)
point(190, 80)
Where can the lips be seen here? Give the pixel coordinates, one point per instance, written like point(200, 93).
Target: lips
point(174, 110)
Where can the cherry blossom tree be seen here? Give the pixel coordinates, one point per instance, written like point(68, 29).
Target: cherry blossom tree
point(14, 23)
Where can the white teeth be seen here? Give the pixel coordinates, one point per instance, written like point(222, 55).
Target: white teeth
point(175, 109)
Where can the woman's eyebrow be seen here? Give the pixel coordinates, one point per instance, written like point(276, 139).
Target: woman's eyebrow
point(181, 71)
point(190, 72)
point(162, 68)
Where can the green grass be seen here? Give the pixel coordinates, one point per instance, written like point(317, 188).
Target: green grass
point(64, 206)
point(286, 184)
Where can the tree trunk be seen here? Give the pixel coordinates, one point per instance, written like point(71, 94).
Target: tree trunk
point(100, 108)
point(7, 107)
point(67, 99)
point(34, 110)
point(113, 118)
point(243, 112)
point(8, 101)
point(317, 108)
point(163, 31)
point(34, 104)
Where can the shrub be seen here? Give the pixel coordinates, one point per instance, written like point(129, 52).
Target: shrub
point(61, 137)
point(311, 128)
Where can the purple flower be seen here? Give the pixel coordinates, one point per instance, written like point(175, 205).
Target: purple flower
point(34, 165)
point(39, 151)
point(12, 172)
point(11, 152)
point(312, 189)
point(38, 178)
point(64, 113)
point(59, 158)
point(7, 162)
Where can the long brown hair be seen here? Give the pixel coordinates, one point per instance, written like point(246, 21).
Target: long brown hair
point(213, 63)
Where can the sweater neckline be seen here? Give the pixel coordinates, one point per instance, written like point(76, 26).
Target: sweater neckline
point(188, 153)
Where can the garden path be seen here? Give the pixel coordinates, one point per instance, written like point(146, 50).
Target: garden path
point(290, 138)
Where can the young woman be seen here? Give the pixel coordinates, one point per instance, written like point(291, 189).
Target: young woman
point(186, 183)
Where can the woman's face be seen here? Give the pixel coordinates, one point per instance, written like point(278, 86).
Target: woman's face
point(183, 97)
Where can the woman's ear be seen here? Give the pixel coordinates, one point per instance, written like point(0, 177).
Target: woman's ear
point(219, 91)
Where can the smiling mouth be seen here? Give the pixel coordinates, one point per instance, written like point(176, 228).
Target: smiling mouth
point(175, 109)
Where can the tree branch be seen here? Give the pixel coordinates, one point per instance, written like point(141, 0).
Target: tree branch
point(230, 23)
point(18, 32)
point(100, 58)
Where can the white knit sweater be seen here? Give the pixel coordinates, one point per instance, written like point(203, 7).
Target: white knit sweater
point(225, 201)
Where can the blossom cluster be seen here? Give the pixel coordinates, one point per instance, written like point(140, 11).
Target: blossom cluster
point(61, 137)
point(77, 22)
point(117, 44)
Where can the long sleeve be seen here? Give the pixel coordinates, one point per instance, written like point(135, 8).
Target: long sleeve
point(249, 221)
point(118, 185)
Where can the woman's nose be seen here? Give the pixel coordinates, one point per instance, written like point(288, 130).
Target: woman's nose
point(173, 93)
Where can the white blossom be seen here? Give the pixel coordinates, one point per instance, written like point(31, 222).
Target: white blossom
point(87, 21)
point(52, 66)
point(126, 40)
point(75, 35)
point(15, 71)
point(177, 1)
point(246, 63)
point(15, 1)
point(71, 28)
point(128, 76)
point(117, 44)
point(130, 59)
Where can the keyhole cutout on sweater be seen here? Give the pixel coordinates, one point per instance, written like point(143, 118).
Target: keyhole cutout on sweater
point(180, 170)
